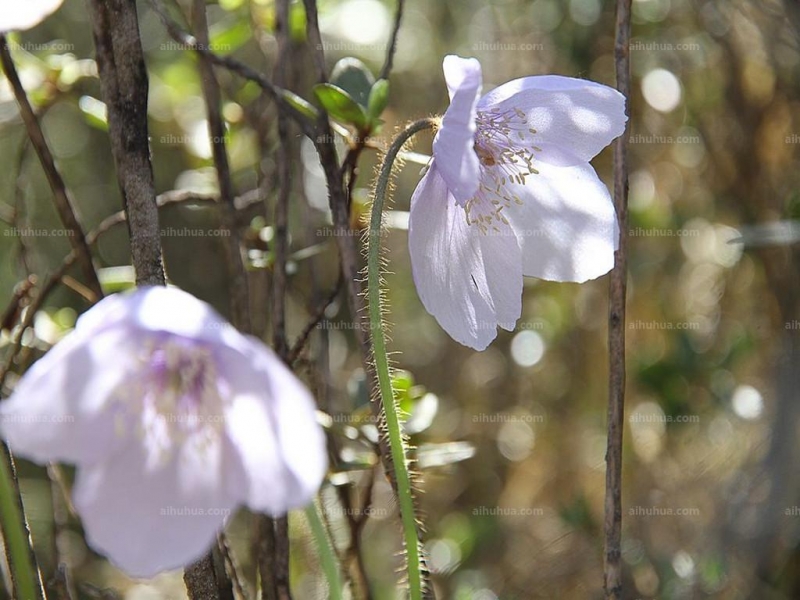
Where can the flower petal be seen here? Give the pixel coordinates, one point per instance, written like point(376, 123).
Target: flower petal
point(161, 310)
point(151, 516)
point(24, 15)
point(470, 281)
point(566, 224)
point(273, 427)
point(580, 116)
point(59, 409)
point(454, 144)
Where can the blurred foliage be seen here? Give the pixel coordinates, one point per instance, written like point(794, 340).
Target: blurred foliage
point(512, 439)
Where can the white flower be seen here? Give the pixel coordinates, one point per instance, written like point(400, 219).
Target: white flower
point(510, 192)
point(24, 14)
point(173, 419)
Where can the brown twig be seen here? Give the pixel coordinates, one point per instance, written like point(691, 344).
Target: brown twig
point(315, 39)
point(616, 326)
point(277, 94)
point(281, 248)
point(124, 83)
point(240, 301)
point(392, 48)
point(302, 339)
point(63, 203)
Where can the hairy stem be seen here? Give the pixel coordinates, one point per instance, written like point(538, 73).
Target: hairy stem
point(397, 441)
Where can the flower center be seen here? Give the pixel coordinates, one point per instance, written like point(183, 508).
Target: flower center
point(173, 393)
point(505, 145)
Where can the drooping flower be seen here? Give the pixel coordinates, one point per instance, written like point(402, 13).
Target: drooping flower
point(24, 14)
point(173, 419)
point(510, 193)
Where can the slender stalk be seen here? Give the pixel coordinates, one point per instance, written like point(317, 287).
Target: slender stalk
point(24, 573)
point(63, 203)
point(327, 555)
point(397, 442)
point(616, 327)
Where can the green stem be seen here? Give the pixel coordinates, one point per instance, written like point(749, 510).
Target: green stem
point(16, 537)
point(397, 440)
point(327, 556)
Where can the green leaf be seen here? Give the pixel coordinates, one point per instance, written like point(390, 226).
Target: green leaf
point(378, 98)
point(355, 78)
point(340, 105)
point(301, 104)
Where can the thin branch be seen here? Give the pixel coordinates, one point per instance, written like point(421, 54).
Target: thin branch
point(124, 83)
point(616, 326)
point(277, 94)
point(64, 206)
point(281, 249)
point(315, 39)
point(302, 339)
point(240, 301)
point(392, 48)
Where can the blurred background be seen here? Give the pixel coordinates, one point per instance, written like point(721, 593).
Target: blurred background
point(510, 441)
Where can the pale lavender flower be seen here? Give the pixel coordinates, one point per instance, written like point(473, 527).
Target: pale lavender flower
point(24, 14)
point(173, 419)
point(510, 193)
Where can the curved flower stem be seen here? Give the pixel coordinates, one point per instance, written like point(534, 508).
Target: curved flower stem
point(394, 431)
point(327, 555)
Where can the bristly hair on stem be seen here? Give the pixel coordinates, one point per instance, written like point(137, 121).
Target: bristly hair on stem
point(390, 425)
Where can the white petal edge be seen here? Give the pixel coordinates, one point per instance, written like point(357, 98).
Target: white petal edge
point(272, 424)
point(567, 224)
point(152, 518)
point(579, 116)
point(454, 144)
point(24, 14)
point(59, 409)
point(470, 282)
